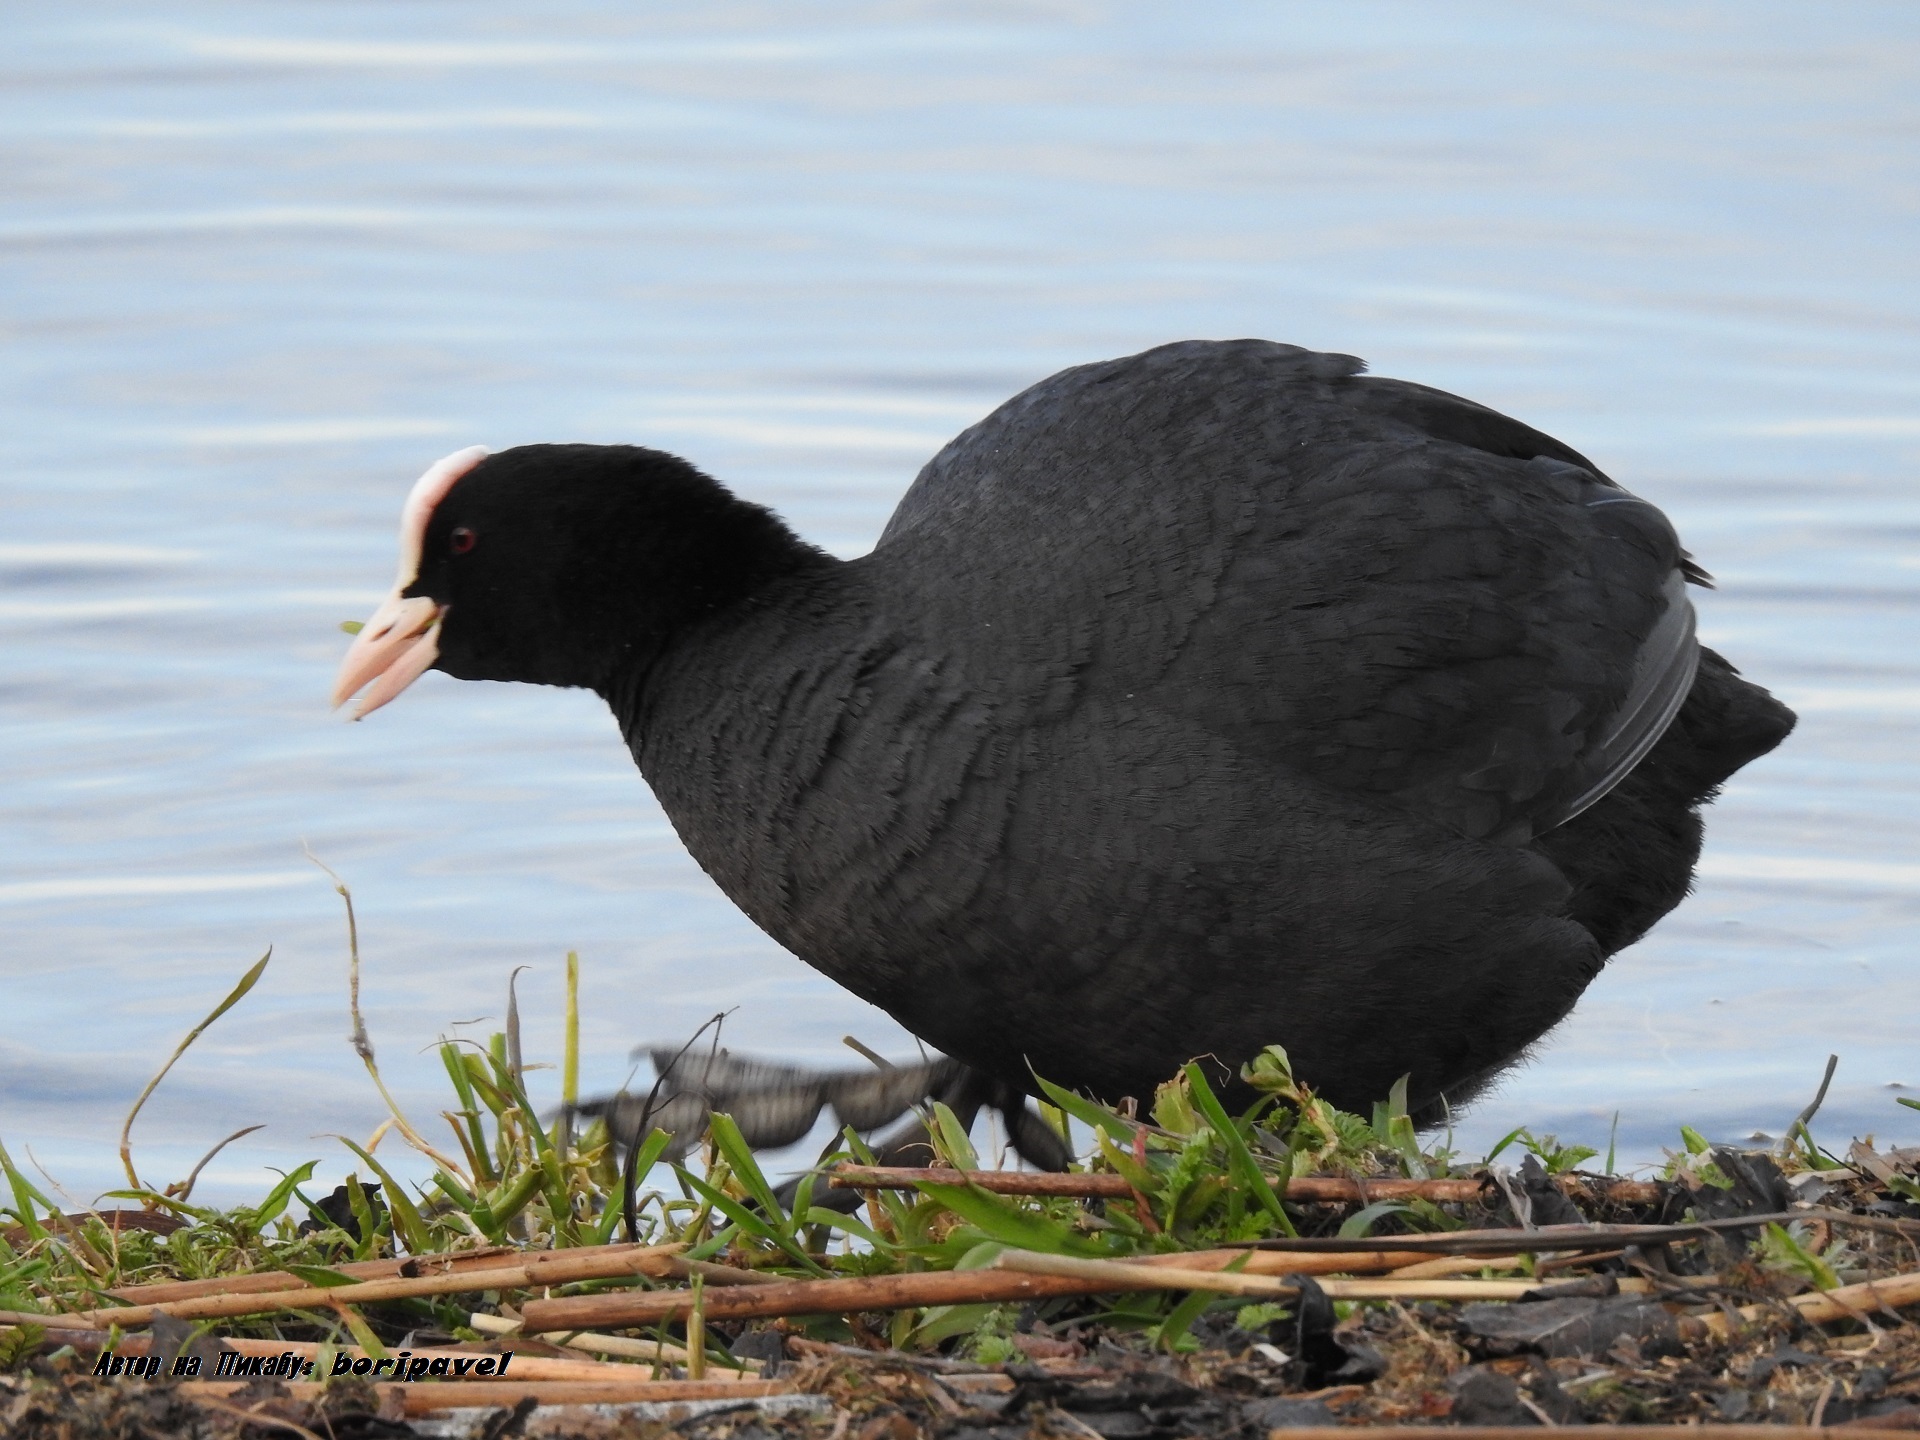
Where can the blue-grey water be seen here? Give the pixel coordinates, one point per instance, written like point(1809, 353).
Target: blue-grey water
point(260, 264)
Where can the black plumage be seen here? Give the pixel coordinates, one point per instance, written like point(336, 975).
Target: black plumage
point(1211, 698)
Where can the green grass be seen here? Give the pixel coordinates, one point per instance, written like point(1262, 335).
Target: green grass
point(498, 1173)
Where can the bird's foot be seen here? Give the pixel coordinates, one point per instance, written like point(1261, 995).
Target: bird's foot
point(775, 1105)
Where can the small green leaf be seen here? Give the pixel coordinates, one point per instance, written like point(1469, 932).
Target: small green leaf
point(1171, 1331)
point(715, 1244)
point(363, 1220)
point(834, 1220)
point(998, 1220)
point(271, 1208)
point(319, 1275)
point(25, 1194)
point(734, 1149)
point(746, 1219)
point(1781, 1250)
point(943, 1322)
point(1086, 1111)
point(1271, 1073)
point(18, 1343)
point(1361, 1222)
point(1505, 1141)
point(510, 1199)
point(1255, 1318)
point(352, 627)
point(980, 1256)
point(1125, 1166)
point(406, 1215)
point(650, 1151)
point(476, 1138)
point(956, 1148)
point(452, 1189)
point(1197, 1200)
point(362, 1332)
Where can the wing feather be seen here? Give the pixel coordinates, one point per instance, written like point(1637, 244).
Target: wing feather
point(1387, 587)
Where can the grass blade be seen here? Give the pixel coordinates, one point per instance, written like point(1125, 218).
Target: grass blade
point(570, 1063)
point(24, 1195)
point(1170, 1331)
point(1239, 1158)
point(951, 1138)
point(1093, 1116)
point(234, 997)
point(1009, 1224)
point(271, 1208)
point(734, 1149)
point(406, 1215)
point(362, 1046)
point(755, 1225)
point(475, 1141)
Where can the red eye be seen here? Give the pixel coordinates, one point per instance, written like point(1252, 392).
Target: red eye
point(461, 540)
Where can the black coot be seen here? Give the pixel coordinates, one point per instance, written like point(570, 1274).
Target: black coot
point(1211, 698)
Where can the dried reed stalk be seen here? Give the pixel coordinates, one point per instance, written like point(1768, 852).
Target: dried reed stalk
point(160, 1292)
point(1305, 1188)
point(428, 1396)
point(798, 1297)
point(1850, 1302)
point(525, 1367)
point(46, 1322)
point(536, 1270)
point(625, 1346)
point(1436, 1267)
point(1119, 1275)
point(961, 1287)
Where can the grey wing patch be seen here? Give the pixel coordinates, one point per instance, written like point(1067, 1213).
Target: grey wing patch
point(1663, 673)
point(1528, 778)
point(1662, 677)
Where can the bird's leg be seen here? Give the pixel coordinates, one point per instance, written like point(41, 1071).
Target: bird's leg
point(775, 1105)
point(967, 1093)
point(964, 1091)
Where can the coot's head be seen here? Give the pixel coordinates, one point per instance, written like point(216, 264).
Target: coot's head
point(558, 564)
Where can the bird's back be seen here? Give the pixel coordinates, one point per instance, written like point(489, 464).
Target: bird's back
point(1398, 592)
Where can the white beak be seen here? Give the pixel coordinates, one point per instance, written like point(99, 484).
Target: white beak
point(394, 649)
point(402, 640)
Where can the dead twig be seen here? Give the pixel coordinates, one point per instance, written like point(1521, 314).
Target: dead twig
point(48, 1322)
point(851, 1295)
point(854, 1294)
point(182, 1189)
point(1119, 1275)
point(362, 1046)
point(159, 1292)
point(1848, 1302)
point(1302, 1188)
point(1799, 1126)
point(656, 1352)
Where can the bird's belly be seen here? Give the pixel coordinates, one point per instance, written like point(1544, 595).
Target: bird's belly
point(1102, 933)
